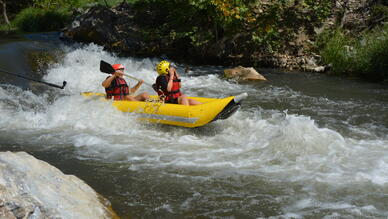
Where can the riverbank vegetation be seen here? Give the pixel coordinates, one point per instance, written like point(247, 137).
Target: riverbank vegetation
point(46, 15)
point(253, 27)
point(239, 30)
point(365, 56)
point(34, 19)
point(261, 28)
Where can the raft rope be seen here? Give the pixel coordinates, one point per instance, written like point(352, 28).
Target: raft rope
point(152, 105)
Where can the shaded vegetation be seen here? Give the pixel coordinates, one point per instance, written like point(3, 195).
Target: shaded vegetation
point(249, 29)
point(47, 15)
point(252, 28)
point(365, 56)
point(261, 25)
point(37, 19)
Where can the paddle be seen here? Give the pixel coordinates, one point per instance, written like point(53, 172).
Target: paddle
point(33, 79)
point(107, 68)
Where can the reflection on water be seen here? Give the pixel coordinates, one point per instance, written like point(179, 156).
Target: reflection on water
point(288, 152)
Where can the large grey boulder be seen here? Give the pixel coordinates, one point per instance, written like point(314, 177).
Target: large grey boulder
point(111, 28)
point(31, 188)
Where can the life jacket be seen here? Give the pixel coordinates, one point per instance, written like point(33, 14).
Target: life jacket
point(168, 95)
point(117, 89)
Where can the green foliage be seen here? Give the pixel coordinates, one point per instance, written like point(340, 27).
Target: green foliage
point(4, 28)
point(55, 4)
point(366, 57)
point(187, 21)
point(318, 10)
point(51, 15)
point(201, 23)
point(14, 7)
point(73, 4)
point(379, 13)
point(323, 38)
point(372, 54)
point(337, 52)
point(36, 19)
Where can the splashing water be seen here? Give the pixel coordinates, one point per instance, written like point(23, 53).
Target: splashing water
point(295, 166)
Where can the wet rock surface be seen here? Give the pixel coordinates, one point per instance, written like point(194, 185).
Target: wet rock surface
point(31, 188)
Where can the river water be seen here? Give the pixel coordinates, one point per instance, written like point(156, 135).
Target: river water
point(302, 145)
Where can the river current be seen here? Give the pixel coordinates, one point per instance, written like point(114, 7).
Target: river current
point(302, 145)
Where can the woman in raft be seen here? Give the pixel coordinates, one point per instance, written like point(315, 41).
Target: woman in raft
point(168, 85)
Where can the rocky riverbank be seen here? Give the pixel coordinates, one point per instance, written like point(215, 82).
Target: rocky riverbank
point(128, 30)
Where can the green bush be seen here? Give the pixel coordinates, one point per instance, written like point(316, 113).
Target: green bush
point(372, 54)
point(337, 52)
point(72, 4)
point(36, 19)
point(51, 15)
point(201, 23)
point(366, 56)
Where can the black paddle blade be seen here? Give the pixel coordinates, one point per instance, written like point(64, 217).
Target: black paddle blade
point(106, 67)
point(63, 84)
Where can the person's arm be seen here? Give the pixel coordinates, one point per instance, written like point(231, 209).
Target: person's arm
point(173, 75)
point(169, 83)
point(177, 77)
point(106, 83)
point(136, 87)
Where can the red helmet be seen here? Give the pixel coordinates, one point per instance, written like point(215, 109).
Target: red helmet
point(117, 66)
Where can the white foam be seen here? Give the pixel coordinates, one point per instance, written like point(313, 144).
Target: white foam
point(311, 206)
point(255, 141)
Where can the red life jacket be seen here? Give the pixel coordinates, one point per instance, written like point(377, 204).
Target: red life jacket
point(117, 89)
point(168, 95)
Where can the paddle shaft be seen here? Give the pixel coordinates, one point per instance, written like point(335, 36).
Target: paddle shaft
point(33, 79)
point(107, 68)
point(129, 76)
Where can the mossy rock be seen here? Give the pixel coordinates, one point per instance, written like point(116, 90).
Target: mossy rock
point(40, 61)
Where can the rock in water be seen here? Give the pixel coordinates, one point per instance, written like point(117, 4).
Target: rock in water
point(31, 188)
point(243, 74)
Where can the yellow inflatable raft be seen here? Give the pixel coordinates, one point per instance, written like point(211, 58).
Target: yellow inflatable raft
point(211, 110)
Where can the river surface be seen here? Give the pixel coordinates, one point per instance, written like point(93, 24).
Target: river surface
point(302, 145)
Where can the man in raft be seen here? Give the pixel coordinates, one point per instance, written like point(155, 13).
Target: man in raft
point(116, 87)
point(168, 85)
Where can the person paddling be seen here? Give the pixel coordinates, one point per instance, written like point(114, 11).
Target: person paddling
point(116, 86)
point(168, 85)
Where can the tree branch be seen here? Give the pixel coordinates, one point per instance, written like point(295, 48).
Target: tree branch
point(5, 14)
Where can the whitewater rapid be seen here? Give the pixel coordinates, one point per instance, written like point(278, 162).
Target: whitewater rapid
point(274, 144)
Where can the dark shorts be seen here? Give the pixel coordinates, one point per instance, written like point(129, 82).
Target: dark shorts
point(173, 101)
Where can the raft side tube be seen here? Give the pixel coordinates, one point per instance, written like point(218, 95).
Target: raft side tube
point(231, 107)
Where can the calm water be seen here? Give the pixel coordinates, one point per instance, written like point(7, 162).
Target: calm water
point(302, 145)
